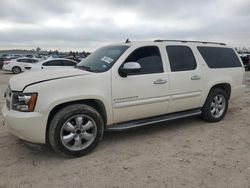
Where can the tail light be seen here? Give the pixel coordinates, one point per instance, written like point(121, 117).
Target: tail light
point(6, 62)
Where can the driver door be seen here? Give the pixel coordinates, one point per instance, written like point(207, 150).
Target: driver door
point(142, 94)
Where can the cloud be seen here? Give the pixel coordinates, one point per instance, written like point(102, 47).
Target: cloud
point(89, 24)
point(29, 11)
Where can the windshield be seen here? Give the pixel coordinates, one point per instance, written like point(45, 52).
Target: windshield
point(103, 58)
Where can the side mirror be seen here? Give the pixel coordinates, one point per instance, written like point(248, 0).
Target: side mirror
point(129, 68)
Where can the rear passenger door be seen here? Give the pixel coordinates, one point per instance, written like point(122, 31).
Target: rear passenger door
point(28, 63)
point(185, 78)
point(22, 63)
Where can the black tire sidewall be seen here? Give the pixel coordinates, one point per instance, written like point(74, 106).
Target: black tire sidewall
point(206, 112)
point(61, 117)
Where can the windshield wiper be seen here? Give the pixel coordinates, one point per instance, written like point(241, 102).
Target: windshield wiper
point(83, 67)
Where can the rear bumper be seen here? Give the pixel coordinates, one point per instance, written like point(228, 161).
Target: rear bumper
point(29, 126)
point(237, 91)
point(6, 68)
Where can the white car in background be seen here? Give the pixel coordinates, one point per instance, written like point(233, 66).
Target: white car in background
point(57, 63)
point(18, 65)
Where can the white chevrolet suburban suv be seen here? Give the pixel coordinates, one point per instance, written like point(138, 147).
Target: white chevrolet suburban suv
point(122, 86)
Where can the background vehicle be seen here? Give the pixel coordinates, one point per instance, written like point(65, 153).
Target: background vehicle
point(12, 56)
point(120, 87)
point(246, 61)
point(75, 58)
point(1, 63)
point(18, 65)
point(58, 63)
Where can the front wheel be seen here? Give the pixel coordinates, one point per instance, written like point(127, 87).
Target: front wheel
point(75, 130)
point(215, 106)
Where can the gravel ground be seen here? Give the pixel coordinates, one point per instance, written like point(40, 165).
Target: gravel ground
point(182, 153)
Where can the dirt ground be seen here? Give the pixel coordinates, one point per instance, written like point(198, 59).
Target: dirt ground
point(183, 153)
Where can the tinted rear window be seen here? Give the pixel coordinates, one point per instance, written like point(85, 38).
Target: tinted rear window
point(181, 58)
point(219, 57)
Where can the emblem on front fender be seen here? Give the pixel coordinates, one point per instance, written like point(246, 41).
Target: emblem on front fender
point(126, 99)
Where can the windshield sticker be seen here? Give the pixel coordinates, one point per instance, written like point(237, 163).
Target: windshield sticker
point(107, 59)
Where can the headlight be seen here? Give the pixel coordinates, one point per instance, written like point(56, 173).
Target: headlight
point(24, 102)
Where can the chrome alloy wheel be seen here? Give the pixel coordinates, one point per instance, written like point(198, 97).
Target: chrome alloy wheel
point(78, 132)
point(218, 106)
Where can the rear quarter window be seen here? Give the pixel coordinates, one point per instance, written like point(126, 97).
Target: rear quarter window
point(216, 57)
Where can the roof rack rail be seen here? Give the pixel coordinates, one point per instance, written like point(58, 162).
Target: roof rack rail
point(185, 41)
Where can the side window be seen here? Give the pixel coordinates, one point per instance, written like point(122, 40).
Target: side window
point(46, 63)
point(34, 60)
point(216, 57)
point(29, 60)
point(21, 60)
point(181, 58)
point(53, 63)
point(69, 63)
point(149, 58)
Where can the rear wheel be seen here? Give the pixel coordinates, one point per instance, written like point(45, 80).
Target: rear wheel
point(215, 106)
point(16, 70)
point(75, 130)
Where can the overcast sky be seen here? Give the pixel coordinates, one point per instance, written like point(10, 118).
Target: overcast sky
point(89, 24)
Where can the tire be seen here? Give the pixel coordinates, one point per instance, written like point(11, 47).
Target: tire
point(68, 133)
point(16, 70)
point(216, 106)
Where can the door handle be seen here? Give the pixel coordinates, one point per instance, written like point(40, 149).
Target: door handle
point(160, 81)
point(195, 77)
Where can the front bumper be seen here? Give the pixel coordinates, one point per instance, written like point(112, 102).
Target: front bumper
point(28, 126)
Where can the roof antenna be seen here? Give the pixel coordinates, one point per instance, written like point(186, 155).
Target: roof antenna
point(127, 41)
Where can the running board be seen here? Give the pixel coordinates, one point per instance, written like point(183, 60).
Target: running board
point(152, 120)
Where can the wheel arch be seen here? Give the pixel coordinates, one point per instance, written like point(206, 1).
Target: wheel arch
point(94, 103)
point(224, 86)
point(206, 108)
point(16, 66)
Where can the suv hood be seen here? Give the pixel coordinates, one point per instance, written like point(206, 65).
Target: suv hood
point(18, 82)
